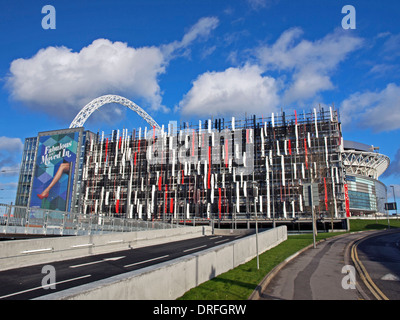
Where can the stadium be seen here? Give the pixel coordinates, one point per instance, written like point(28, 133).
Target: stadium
point(228, 171)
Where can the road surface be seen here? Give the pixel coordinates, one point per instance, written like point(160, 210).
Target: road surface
point(380, 255)
point(29, 282)
point(318, 274)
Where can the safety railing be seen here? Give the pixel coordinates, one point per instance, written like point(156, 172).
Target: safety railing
point(24, 220)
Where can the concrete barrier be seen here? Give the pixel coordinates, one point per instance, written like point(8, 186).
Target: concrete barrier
point(171, 279)
point(234, 232)
point(20, 253)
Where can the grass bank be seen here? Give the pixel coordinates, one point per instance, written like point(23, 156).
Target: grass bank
point(373, 224)
point(239, 283)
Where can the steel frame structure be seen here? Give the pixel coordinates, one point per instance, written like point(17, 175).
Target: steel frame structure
point(119, 178)
point(369, 164)
point(93, 105)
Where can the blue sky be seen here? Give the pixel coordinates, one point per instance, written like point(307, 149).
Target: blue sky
point(188, 60)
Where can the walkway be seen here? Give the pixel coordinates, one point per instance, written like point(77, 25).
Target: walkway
point(316, 274)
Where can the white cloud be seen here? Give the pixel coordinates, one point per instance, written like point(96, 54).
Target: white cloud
point(10, 155)
point(396, 192)
point(57, 76)
point(394, 166)
point(10, 145)
point(306, 84)
point(383, 69)
point(232, 91)
point(10, 171)
point(260, 4)
point(257, 4)
point(379, 110)
point(9, 185)
point(200, 30)
point(391, 47)
point(59, 81)
point(304, 70)
point(308, 63)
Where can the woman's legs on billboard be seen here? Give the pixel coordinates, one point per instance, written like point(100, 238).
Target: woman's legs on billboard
point(64, 168)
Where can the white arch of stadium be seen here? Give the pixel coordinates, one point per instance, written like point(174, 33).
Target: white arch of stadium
point(93, 105)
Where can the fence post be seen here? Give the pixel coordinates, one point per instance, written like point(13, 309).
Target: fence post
point(63, 223)
point(90, 224)
point(45, 215)
point(8, 218)
point(76, 223)
point(27, 219)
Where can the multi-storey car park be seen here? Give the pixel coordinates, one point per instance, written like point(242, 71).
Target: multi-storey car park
point(225, 170)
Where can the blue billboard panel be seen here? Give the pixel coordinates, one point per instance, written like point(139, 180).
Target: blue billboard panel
point(54, 171)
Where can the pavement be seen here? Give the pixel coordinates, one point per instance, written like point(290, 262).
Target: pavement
point(316, 274)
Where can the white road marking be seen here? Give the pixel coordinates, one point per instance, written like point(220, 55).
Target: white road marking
point(113, 258)
point(390, 277)
point(42, 287)
point(94, 262)
point(215, 237)
point(191, 249)
point(221, 241)
point(140, 262)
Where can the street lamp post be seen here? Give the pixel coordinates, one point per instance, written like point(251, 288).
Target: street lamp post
point(255, 212)
point(394, 197)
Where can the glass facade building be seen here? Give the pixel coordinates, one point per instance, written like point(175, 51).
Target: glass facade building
point(26, 171)
point(364, 164)
point(362, 193)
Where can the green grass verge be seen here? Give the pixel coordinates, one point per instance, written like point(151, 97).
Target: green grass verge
point(239, 283)
point(363, 225)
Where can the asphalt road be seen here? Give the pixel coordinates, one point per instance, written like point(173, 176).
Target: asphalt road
point(26, 283)
point(380, 256)
point(317, 274)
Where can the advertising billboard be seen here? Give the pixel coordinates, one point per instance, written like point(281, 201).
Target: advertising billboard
point(53, 179)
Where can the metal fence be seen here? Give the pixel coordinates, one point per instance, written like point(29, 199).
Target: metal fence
point(24, 220)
